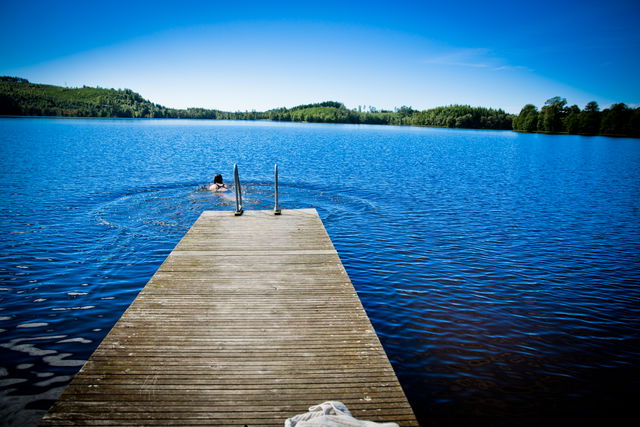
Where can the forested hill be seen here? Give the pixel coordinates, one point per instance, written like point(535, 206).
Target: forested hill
point(19, 97)
point(22, 98)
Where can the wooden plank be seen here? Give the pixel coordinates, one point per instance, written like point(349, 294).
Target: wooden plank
point(249, 320)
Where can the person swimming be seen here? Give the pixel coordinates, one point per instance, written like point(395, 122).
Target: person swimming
point(218, 184)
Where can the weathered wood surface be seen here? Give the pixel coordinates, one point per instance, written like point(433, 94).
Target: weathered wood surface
point(250, 320)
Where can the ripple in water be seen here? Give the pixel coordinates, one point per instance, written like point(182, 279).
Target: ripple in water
point(499, 269)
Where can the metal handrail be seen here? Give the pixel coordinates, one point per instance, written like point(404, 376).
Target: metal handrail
point(236, 178)
point(276, 208)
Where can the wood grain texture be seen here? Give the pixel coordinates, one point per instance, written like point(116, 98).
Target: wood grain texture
point(249, 321)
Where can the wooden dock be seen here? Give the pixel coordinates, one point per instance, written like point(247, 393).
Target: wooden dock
point(249, 321)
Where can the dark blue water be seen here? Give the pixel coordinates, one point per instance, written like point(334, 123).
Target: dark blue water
point(499, 269)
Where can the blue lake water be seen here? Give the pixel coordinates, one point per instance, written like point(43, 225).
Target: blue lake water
point(500, 270)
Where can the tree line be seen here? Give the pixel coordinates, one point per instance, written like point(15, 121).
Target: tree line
point(556, 117)
point(19, 97)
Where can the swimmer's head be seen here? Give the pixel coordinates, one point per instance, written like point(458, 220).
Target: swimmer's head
point(217, 179)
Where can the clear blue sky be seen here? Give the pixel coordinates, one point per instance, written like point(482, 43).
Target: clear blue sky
point(244, 55)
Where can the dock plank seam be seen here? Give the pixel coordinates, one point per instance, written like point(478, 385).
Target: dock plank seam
point(250, 320)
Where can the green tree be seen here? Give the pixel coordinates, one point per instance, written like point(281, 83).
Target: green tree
point(590, 119)
point(527, 120)
point(615, 120)
point(634, 123)
point(572, 120)
point(553, 114)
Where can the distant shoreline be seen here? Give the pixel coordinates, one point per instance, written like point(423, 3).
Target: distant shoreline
point(21, 98)
point(302, 122)
point(247, 120)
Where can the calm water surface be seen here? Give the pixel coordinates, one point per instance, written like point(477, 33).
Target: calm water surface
point(500, 270)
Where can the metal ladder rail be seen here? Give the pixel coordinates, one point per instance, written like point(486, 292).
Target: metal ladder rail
point(238, 190)
point(276, 208)
point(236, 178)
